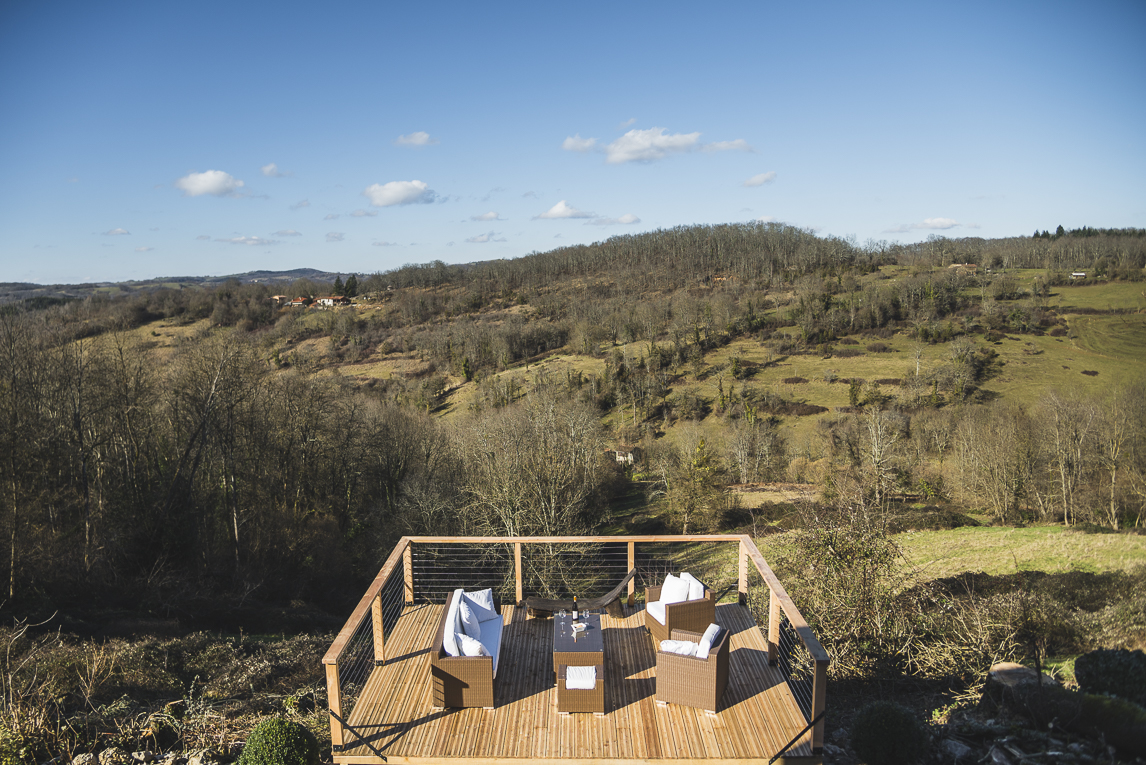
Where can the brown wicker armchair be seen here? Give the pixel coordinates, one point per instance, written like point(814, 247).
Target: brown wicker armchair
point(691, 681)
point(692, 615)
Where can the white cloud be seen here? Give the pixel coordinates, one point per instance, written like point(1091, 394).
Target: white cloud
point(301, 204)
point(649, 145)
point(335, 236)
point(761, 179)
point(420, 138)
point(363, 214)
point(563, 210)
point(929, 224)
point(577, 143)
point(385, 244)
point(202, 238)
point(626, 219)
point(144, 249)
point(399, 193)
point(492, 236)
point(332, 216)
point(627, 122)
point(288, 232)
point(738, 145)
point(117, 232)
point(213, 182)
point(766, 219)
point(272, 171)
point(486, 216)
point(252, 241)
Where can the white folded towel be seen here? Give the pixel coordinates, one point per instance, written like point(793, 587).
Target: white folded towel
point(580, 678)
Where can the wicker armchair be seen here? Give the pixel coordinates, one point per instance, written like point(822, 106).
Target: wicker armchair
point(692, 615)
point(691, 681)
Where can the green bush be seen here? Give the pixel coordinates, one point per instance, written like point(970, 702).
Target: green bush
point(1114, 671)
point(276, 741)
point(884, 733)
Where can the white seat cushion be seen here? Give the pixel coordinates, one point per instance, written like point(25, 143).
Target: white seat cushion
point(683, 647)
point(656, 610)
point(481, 603)
point(491, 631)
point(706, 640)
point(674, 590)
point(695, 586)
point(580, 678)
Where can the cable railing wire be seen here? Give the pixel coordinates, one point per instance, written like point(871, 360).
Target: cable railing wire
point(796, 664)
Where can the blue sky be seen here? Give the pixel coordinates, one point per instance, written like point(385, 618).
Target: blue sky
point(158, 139)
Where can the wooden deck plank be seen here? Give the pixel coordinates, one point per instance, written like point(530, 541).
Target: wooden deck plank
point(758, 714)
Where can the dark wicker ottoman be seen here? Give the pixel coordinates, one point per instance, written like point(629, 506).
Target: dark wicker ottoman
point(581, 700)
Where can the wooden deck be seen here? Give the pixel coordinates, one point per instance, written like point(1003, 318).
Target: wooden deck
point(758, 715)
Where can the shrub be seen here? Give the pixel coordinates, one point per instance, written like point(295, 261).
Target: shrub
point(276, 741)
point(795, 380)
point(878, 347)
point(884, 733)
point(1114, 671)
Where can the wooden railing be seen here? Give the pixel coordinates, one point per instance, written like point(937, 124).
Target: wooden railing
point(506, 564)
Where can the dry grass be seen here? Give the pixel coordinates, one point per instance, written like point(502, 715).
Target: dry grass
point(1005, 550)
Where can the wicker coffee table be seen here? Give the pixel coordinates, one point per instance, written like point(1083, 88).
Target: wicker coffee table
point(586, 651)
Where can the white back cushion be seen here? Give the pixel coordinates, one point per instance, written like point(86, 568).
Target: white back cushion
point(449, 641)
point(656, 610)
point(706, 640)
point(674, 590)
point(470, 624)
point(481, 602)
point(695, 586)
point(471, 646)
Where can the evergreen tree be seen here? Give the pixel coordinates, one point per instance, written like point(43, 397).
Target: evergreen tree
point(338, 288)
point(351, 288)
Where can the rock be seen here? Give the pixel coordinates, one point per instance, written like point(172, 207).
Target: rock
point(955, 750)
point(998, 757)
point(142, 756)
point(205, 757)
point(85, 759)
point(1007, 681)
point(114, 756)
point(834, 750)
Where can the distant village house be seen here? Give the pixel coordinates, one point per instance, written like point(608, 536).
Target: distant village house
point(330, 301)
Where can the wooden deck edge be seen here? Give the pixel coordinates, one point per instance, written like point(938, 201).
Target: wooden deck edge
point(400, 760)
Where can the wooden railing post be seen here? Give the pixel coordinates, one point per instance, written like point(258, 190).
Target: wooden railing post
point(334, 700)
point(774, 615)
point(408, 572)
point(742, 580)
point(379, 632)
point(632, 565)
point(819, 701)
point(517, 571)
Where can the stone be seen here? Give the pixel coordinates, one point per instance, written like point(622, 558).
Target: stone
point(113, 755)
point(142, 756)
point(834, 750)
point(954, 749)
point(86, 758)
point(1007, 681)
point(998, 757)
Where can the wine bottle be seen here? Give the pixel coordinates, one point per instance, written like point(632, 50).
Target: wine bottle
point(574, 608)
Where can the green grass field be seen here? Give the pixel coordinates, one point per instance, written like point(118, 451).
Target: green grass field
point(1005, 550)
